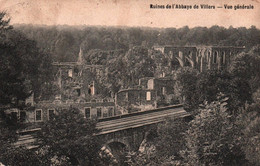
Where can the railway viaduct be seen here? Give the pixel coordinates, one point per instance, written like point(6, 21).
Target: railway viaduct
point(123, 133)
point(131, 129)
point(127, 132)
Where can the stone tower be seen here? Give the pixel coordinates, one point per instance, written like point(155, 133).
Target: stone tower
point(80, 58)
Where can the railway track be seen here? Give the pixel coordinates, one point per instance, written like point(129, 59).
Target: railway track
point(138, 121)
point(117, 123)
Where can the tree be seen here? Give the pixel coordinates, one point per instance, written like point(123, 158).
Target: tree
point(116, 71)
point(162, 146)
point(245, 66)
point(170, 140)
point(17, 74)
point(196, 88)
point(162, 62)
point(249, 120)
point(52, 39)
point(211, 138)
point(4, 23)
point(20, 156)
point(63, 43)
point(7, 137)
point(252, 141)
point(128, 68)
point(138, 65)
point(70, 136)
point(11, 154)
point(212, 83)
point(23, 68)
point(185, 87)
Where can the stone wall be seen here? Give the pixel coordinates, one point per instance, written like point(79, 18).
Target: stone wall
point(140, 99)
point(201, 57)
point(78, 80)
point(42, 111)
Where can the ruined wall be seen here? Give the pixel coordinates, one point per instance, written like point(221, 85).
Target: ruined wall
point(201, 57)
point(215, 57)
point(143, 82)
point(137, 97)
point(106, 108)
point(164, 86)
point(78, 81)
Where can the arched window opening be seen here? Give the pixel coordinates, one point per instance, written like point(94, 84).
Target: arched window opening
point(215, 57)
point(223, 57)
point(208, 56)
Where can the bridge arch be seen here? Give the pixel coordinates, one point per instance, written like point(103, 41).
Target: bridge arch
point(117, 150)
point(118, 141)
point(215, 56)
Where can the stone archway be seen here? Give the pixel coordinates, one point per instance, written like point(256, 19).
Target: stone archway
point(175, 63)
point(117, 150)
point(189, 62)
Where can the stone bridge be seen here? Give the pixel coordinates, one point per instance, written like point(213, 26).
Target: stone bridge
point(131, 129)
point(126, 132)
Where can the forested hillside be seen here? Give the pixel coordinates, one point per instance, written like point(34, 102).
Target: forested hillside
point(224, 105)
point(63, 42)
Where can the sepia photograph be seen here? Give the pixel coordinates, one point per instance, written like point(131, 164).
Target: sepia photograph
point(129, 83)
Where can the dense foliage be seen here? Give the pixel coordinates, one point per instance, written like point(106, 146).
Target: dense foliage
point(23, 69)
point(127, 67)
point(249, 122)
point(212, 138)
point(186, 87)
point(238, 83)
point(20, 156)
point(70, 136)
point(63, 42)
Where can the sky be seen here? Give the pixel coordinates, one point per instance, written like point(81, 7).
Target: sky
point(134, 13)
